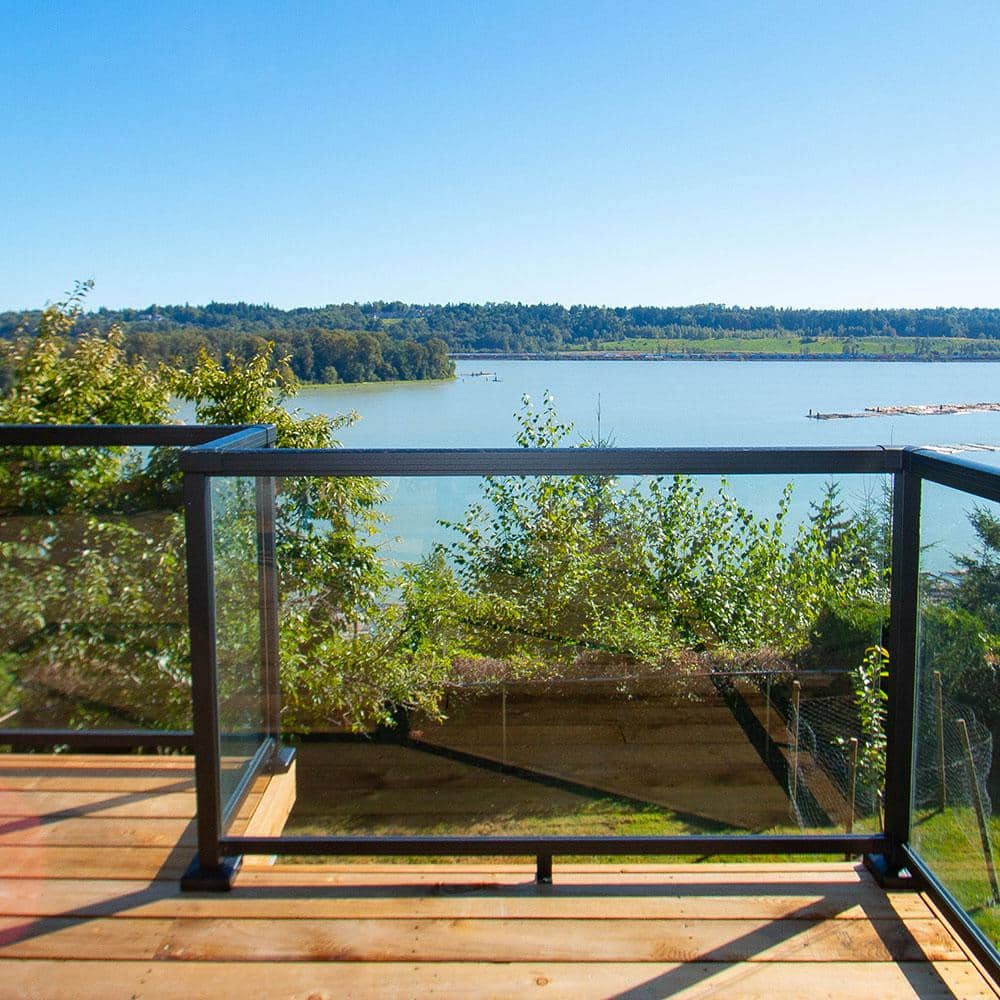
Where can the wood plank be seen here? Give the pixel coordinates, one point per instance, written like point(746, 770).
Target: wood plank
point(475, 940)
point(851, 870)
point(268, 816)
point(585, 711)
point(68, 890)
point(403, 813)
point(269, 898)
point(146, 862)
point(114, 781)
point(70, 938)
point(101, 980)
point(972, 959)
point(94, 862)
point(659, 877)
point(82, 832)
point(169, 805)
point(534, 734)
point(624, 730)
point(407, 786)
point(563, 941)
point(155, 763)
point(698, 764)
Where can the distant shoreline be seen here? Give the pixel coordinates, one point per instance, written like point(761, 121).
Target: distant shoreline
point(724, 356)
point(377, 382)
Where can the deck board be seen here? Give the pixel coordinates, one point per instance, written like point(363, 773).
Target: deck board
point(587, 981)
point(91, 850)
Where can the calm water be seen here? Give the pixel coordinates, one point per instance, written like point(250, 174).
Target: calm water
point(679, 403)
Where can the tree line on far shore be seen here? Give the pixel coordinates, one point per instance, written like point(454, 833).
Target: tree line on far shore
point(315, 352)
point(405, 340)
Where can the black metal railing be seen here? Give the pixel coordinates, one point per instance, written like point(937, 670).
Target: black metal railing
point(891, 849)
point(223, 781)
point(202, 464)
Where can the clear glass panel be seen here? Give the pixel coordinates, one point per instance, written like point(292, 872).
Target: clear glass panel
point(238, 631)
point(958, 699)
point(93, 604)
point(583, 655)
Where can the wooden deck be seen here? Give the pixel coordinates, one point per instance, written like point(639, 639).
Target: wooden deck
point(91, 849)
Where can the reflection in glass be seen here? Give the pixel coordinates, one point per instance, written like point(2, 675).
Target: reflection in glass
point(238, 639)
point(93, 606)
point(954, 829)
point(592, 655)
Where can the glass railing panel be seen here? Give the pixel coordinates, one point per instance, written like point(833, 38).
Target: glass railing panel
point(241, 691)
point(954, 826)
point(93, 606)
point(581, 655)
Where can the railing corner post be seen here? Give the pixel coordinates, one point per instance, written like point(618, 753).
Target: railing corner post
point(902, 680)
point(209, 868)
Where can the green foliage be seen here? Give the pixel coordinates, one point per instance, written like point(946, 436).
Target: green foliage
point(545, 572)
point(549, 570)
point(844, 629)
point(978, 586)
point(330, 336)
point(94, 619)
point(92, 581)
point(86, 381)
point(254, 392)
point(54, 380)
point(960, 624)
point(337, 644)
point(360, 677)
point(91, 551)
point(870, 701)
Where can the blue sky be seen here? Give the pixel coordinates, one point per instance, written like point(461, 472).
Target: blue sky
point(826, 154)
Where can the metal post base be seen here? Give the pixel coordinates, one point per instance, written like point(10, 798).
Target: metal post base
point(220, 879)
point(543, 869)
point(888, 875)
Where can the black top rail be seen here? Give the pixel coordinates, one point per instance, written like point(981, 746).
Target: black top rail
point(539, 461)
point(958, 473)
point(139, 435)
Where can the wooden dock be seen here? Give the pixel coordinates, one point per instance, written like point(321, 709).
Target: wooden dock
point(91, 849)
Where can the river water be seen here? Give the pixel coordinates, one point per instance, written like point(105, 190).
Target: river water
point(670, 404)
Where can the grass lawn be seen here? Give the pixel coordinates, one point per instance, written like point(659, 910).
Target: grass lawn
point(368, 790)
point(792, 344)
point(949, 843)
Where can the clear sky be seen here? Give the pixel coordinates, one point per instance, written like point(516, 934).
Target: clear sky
point(802, 153)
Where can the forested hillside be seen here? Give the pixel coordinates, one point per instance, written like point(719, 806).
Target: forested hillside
point(322, 345)
point(384, 340)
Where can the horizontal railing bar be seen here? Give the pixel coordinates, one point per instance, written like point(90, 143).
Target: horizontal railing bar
point(96, 738)
point(253, 436)
point(108, 435)
point(539, 461)
point(958, 473)
point(428, 846)
point(972, 935)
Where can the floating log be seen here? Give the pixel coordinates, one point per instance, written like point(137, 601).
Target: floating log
point(921, 410)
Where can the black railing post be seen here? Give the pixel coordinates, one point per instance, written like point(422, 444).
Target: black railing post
point(543, 869)
point(209, 870)
point(903, 611)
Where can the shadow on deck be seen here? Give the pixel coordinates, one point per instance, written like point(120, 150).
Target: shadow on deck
point(91, 850)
